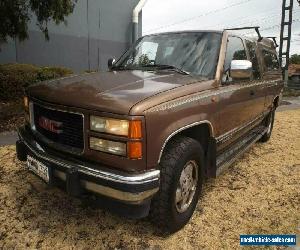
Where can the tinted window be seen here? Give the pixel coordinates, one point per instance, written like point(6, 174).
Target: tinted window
point(270, 61)
point(235, 51)
point(196, 53)
point(251, 46)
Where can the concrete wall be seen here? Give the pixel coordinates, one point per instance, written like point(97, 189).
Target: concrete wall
point(96, 31)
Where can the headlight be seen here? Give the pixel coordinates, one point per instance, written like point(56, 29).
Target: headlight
point(110, 126)
point(131, 129)
point(117, 148)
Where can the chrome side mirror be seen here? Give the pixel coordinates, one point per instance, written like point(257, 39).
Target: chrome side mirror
point(111, 63)
point(240, 69)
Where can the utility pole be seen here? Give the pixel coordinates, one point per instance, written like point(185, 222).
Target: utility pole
point(285, 36)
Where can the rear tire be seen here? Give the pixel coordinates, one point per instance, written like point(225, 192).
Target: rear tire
point(269, 124)
point(180, 184)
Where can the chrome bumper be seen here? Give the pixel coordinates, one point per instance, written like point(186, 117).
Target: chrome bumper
point(128, 188)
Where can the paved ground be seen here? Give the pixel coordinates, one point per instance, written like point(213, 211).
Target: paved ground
point(8, 138)
point(290, 103)
point(259, 194)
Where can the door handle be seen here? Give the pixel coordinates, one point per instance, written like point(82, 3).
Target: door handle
point(252, 92)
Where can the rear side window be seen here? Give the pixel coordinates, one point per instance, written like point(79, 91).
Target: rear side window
point(270, 61)
point(251, 46)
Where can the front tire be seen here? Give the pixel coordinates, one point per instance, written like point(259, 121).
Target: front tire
point(180, 185)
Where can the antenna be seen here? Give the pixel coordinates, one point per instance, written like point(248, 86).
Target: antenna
point(256, 28)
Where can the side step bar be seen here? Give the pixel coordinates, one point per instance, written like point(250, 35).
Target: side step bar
point(228, 157)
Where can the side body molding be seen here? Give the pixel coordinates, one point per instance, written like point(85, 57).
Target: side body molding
point(211, 130)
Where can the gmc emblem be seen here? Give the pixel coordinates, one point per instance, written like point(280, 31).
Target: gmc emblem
point(50, 125)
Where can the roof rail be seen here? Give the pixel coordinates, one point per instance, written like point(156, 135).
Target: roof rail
point(256, 28)
point(274, 40)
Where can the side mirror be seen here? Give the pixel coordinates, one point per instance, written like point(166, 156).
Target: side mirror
point(111, 62)
point(240, 69)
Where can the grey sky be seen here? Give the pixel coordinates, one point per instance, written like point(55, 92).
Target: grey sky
point(170, 15)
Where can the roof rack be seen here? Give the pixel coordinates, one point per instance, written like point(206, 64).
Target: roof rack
point(274, 40)
point(256, 28)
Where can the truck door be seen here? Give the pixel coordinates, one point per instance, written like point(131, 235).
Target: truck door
point(257, 80)
point(238, 103)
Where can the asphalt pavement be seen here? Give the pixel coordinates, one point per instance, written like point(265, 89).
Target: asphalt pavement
point(8, 138)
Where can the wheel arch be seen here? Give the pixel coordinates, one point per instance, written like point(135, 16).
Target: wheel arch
point(200, 131)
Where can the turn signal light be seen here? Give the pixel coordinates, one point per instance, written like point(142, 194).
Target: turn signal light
point(134, 150)
point(135, 129)
point(26, 103)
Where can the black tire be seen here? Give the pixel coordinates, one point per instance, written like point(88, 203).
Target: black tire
point(269, 122)
point(164, 212)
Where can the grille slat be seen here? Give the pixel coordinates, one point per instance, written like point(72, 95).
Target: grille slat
point(72, 126)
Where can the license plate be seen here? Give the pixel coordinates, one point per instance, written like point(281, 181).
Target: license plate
point(38, 168)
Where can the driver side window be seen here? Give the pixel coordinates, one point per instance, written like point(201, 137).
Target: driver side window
point(235, 51)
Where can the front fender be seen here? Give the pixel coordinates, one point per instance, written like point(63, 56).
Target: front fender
point(166, 120)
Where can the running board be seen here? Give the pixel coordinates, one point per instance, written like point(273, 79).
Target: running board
point(227, 158)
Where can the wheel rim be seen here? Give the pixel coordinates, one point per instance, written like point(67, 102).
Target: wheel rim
point(270, 124)
point(187, 186)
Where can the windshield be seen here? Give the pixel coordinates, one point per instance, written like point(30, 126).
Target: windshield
point(192, 53)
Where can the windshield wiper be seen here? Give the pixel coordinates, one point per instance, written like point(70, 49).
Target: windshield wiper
point(165, 66)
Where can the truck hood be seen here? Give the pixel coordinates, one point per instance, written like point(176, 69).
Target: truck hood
point(115, 92)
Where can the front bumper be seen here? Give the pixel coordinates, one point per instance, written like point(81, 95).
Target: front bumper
point(80, 176)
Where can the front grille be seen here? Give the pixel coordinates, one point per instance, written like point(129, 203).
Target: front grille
point(71, 126)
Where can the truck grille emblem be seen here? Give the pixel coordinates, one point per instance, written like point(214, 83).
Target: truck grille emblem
point(50, 125)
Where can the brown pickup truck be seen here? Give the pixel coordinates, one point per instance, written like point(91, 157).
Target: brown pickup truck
point(174, 110)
